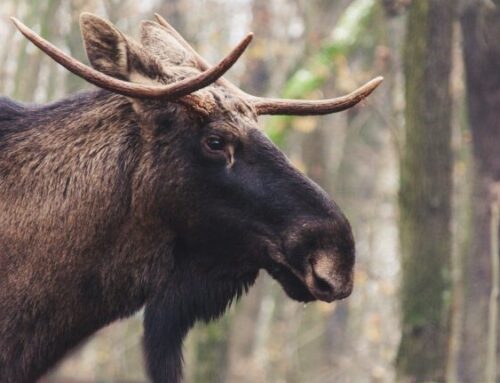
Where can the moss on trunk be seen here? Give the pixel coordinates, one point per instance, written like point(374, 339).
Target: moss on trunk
point(425, 191)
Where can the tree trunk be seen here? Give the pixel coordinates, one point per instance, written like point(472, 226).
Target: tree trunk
point(425, 189)
point(73, 41)
point(21, 88)
point(480, 22)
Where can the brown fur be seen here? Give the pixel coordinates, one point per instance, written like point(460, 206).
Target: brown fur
point(109, 203)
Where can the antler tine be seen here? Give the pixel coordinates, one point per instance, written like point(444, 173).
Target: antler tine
point(171, 91)
point(202, 63)
point(274, 106)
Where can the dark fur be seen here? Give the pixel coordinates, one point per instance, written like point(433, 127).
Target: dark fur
point(108, 204)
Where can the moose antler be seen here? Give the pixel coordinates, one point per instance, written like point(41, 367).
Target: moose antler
point(271, 106)
point(202, 63)
point(168, 92)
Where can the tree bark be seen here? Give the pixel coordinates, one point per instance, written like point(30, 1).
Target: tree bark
point(425, 190)
point(480, 21)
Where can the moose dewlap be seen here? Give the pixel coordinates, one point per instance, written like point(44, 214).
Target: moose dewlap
point(157, 190)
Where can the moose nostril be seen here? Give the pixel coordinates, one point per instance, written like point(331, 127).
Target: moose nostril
point(324, 279)
point(323, 285)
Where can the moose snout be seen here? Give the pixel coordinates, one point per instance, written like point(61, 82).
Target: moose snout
point(327, 277)
point(321, 254)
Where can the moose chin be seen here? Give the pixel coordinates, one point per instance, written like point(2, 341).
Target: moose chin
point(156, 190)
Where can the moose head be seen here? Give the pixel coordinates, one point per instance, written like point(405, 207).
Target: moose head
point(226, 198)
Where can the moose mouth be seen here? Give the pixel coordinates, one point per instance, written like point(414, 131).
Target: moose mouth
point(294, 286)
point(314, 283)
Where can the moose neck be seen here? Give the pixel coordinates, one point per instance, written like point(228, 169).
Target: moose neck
point(168, 317)
point(85, 258)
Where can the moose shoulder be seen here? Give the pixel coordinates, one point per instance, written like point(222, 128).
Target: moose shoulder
point(158, 189)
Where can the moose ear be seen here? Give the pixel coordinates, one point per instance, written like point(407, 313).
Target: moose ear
point(112, 53)
point(159, 42)
point(106, 46)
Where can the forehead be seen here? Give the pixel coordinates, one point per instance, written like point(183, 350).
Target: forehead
point(231, 115)
point(230, 108)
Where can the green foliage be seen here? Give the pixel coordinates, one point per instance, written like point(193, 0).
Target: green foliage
point(317, 69)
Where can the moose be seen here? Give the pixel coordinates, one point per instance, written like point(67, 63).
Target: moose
point(156, 190)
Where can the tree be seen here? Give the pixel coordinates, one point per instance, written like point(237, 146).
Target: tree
point(480, 21)
point(425, 189)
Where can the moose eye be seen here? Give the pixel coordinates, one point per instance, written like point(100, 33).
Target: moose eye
point(215, 143)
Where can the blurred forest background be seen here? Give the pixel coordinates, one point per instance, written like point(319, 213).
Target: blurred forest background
point(416, 168)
